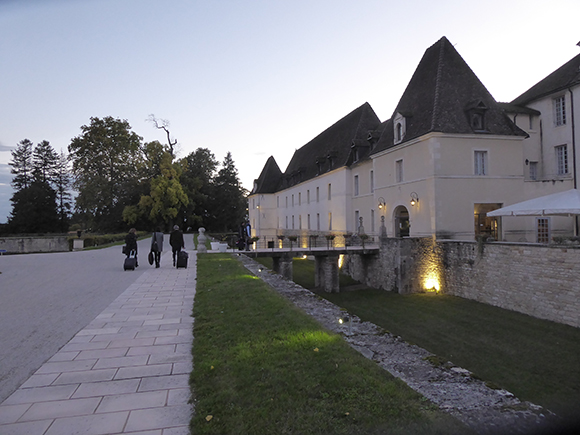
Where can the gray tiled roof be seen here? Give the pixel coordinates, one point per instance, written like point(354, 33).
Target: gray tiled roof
point(333, 148)
point(269, 179)
point(566, 76)
point(440, 95)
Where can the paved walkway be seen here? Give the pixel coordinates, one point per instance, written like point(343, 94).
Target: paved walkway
point(126, 372)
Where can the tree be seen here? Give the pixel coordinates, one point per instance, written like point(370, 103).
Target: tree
point(34, 201)
point(197, 181)
point(163, 124)
point(107, 166)
point(228, 205)
point(165, 199)
point(62, 182)
point(44, 162)
point(34, 209)
point(22, 165)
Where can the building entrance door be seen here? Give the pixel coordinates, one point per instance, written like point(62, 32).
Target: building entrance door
point(402, 224)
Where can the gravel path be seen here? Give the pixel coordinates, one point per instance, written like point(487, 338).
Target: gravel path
point(453, 389)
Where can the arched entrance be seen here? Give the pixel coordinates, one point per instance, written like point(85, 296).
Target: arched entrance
point(401, 220)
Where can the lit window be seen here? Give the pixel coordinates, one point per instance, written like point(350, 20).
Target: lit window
point(480, 167)
point(399, 171)
point(356, 185)
point(560, 111)
point(562, 159)
point(543, 230)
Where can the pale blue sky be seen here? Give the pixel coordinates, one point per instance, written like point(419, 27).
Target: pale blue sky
point(253, 77)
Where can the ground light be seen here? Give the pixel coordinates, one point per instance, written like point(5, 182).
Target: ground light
point(346, 318)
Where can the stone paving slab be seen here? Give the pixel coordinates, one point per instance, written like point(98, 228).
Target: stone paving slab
point(126, 372)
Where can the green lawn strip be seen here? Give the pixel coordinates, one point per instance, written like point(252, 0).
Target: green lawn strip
point(535, 359)
point(262, 366)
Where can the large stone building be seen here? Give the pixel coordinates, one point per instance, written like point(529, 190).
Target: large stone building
point(448, 155)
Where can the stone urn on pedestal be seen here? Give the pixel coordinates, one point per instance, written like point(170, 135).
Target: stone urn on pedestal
point(201, 239)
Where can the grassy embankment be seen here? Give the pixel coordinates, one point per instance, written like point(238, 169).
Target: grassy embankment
point(262, 366)
point(537, 360)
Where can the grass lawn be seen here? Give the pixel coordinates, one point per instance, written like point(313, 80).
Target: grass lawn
point(535, 359)
point(262, 366)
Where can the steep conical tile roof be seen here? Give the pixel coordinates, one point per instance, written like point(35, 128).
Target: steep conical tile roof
point(440, 96)
point(269, 179)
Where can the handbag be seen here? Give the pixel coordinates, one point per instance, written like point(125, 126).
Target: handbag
point(150, 258)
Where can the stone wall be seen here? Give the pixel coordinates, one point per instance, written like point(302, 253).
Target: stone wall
point(24, 245)
point(542, 281)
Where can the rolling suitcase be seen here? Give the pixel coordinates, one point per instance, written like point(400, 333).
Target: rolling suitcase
point(182, 257)
point(130, 261)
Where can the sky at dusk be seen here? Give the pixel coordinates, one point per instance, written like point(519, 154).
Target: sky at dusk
point(257, 78)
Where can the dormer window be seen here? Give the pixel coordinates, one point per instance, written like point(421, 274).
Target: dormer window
point(475, 111)
point(319, 162)
point(399, 128)
point(477, 121)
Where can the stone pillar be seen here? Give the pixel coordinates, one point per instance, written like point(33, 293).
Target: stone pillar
point(283, 266)
point(326, 273)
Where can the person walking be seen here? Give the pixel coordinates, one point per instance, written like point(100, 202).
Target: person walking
point(131, 243)
point(176, 241)
point(157, 245)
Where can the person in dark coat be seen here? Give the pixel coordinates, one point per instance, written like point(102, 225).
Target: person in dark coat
point(176, 241)
point(157, 245)
point(131, 243)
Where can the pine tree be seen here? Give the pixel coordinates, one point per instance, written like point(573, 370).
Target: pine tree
point(229, 198)
point(62, 182)
point(44, 162)
point(22, 165)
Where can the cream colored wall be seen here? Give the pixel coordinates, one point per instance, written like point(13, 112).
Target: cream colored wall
point(273, 217)
point(365, 202)
point(440, 169)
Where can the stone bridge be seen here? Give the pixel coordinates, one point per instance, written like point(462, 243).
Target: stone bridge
point(326, 261)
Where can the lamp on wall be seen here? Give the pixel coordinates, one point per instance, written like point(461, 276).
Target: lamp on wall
point(382, 203)
point(414, 198)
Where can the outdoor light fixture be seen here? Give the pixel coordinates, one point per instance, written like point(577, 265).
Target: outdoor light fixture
point(414, 198)
point(346, 318)
point(382, 203)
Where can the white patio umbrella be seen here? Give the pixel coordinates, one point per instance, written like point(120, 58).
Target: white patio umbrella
point(565, 203)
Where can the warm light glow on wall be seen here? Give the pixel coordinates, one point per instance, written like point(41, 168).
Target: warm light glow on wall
point(432, 283)
point(340, 261)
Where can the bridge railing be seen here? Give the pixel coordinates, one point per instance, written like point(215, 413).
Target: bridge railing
point(311, 242)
